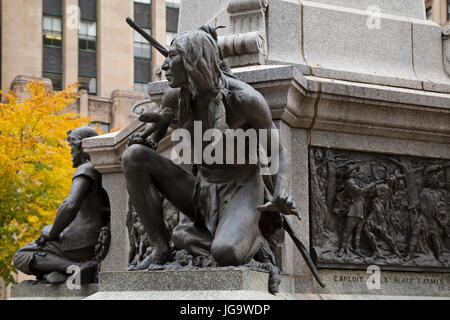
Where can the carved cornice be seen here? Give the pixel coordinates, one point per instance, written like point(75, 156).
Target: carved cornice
point(312, 103)
point(240, 6)
point(446, 49)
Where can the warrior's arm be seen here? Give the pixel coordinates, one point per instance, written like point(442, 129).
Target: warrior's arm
point(280, 177)
point(260, 117)
point(370, 187)
point(347, 163)
point(161, 120)
point(402, 165)
point(70, 206)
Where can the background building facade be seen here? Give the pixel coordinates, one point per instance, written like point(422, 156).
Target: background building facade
point(85, 41)
point(438, 11)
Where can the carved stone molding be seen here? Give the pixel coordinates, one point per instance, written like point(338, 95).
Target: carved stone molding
point(446, 49)
point(248, 26)
point(141, 107)
point(240, 6)
point(243, 49)
point(331, 105)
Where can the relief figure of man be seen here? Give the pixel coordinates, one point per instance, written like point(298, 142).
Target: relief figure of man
point(428, 219)
point(355, 214)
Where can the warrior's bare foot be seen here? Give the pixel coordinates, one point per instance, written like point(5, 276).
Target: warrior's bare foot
point(407, 257)
point(340, 252)
point(56, 277)
point(156, 258)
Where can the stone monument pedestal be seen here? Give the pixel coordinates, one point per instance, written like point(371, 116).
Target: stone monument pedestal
point(213, 284)
point(336, 84)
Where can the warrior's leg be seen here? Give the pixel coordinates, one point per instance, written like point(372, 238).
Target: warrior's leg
point(238, 236)
point(349, 226)
point(372, 239)
point(359, 229)
point(55, 268)
point(434, 235)
point(391, 243)
point(437, 248)
point(49, 263)
point(147, 175)
point(413, 243)
point(190, 237)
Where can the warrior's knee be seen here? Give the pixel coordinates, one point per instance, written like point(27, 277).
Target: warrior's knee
point(21, 261)
point(178, 238)
point(227, 255)
point(17, 259)
point(134, 156)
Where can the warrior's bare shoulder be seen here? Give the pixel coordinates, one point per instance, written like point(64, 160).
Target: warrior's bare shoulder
point(249, 102)
point(170, 99)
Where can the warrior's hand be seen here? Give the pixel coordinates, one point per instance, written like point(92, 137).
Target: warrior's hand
point(137, 138)
point(45, 235)
point(285, 205)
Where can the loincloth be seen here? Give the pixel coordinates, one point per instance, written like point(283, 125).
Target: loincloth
point(215, 190)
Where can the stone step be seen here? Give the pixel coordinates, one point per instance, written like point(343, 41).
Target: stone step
point(208, 284)
point(27, 291)
point(192, 280)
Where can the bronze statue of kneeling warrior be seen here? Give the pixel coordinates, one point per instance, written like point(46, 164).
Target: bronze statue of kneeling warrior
point(232, 210)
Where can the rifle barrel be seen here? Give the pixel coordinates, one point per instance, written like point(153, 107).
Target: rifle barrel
point(149, 38)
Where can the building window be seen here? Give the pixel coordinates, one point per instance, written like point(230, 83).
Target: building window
point(52, 31)
point(141, 87)
point(429, 13)
point(87, 36)
point(448, 10)
point(173, 3)
point(88, 83)
point(87, 46)
point(172, 14)
point(52, 44)
point(55, 78)
point(169, 37)
point(142, 48)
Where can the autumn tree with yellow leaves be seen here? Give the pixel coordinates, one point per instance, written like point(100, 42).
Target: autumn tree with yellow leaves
point(35, 165)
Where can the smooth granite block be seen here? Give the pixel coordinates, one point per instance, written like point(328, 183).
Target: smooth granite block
point(51, 292)
point(284, 32)
point(184, 280)
point(117, 257)
point(195, 13)
point(239, 295)
point(339, 39)
point(406, 8)
point(428, 64)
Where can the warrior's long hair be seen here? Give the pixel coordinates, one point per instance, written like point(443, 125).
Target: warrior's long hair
point(201, 59)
